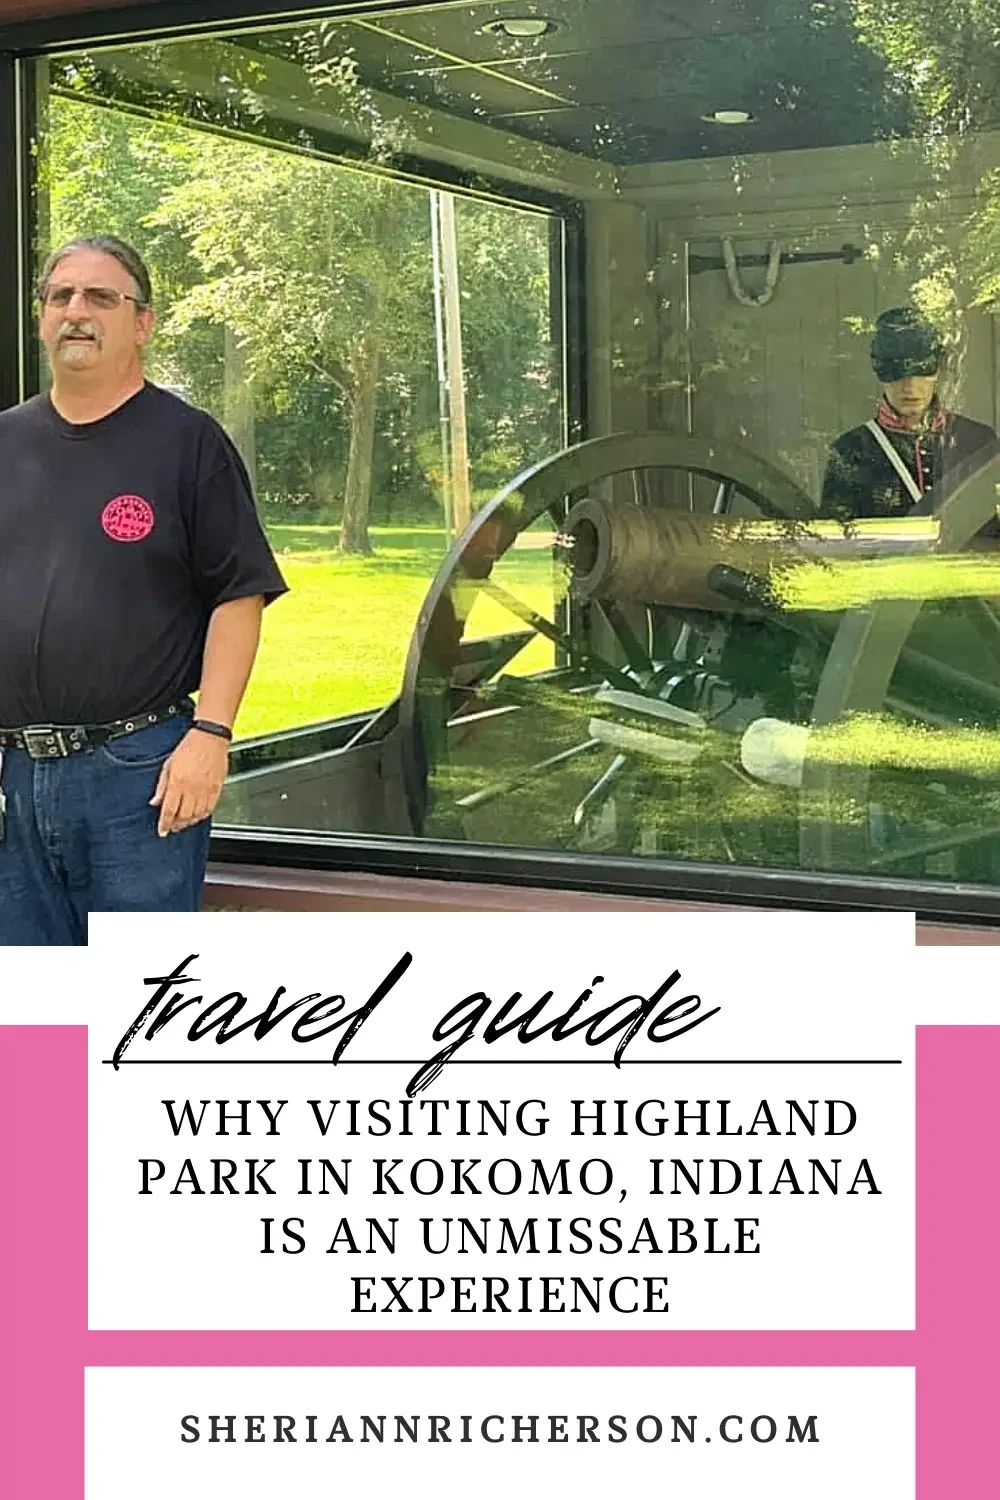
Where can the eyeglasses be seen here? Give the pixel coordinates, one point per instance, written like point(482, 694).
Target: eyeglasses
point(102, 298)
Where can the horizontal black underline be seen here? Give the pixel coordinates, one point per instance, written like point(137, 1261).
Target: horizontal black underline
point(502, 1062)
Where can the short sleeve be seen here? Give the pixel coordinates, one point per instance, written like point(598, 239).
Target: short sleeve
point(230, 554)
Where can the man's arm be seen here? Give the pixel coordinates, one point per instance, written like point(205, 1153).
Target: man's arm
point(192, 777)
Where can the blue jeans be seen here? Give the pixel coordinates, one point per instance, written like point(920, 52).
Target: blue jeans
point(81, 837)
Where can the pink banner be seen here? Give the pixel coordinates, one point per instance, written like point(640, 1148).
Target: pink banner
point(43, 1283)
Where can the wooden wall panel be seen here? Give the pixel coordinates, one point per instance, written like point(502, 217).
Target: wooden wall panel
point(787, 377)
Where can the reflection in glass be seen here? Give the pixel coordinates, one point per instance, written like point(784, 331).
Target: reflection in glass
point(358, 335)
point(687, 716)
point(752, 619)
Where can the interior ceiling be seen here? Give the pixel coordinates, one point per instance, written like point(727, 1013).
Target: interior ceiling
point(628, 81)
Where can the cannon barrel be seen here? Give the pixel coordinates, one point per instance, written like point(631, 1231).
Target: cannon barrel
point(721, 563)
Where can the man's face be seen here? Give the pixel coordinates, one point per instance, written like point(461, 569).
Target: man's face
point(912, 395)
point(82, 336)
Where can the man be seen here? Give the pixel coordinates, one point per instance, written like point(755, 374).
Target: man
point(133, 572)
point(884, 467)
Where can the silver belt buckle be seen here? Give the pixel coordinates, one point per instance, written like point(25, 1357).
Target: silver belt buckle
point(45, 742)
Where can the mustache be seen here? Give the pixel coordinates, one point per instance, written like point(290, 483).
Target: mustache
point(69, 327)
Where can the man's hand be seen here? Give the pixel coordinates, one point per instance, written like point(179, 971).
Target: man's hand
point(190, 782)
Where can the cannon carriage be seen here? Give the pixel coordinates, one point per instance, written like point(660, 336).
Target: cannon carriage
point(746, 683)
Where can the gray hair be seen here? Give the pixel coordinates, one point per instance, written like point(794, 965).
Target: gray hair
point(108, 244)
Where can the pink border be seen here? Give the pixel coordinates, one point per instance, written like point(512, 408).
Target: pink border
point(43, 1283)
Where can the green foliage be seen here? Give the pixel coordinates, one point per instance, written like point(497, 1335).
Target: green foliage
point(945, 54)
point(300, 259)
point(284, 283)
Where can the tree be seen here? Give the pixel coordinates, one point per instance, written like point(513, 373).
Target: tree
point(511, 360)
point(295, 302)
point(945, 55)
point(320, 273)
point(103, 171)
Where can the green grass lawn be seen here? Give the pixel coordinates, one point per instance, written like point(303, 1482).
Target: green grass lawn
point(338, 641)
point(337, 644)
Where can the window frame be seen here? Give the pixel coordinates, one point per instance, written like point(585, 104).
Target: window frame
point(24, 42)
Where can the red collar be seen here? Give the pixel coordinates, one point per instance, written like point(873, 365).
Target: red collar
point(888, 417)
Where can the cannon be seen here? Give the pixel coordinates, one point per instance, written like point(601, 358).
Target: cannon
point(735, 681)
point(650, 645)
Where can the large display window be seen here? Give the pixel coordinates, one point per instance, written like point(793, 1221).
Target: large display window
point(619, 386)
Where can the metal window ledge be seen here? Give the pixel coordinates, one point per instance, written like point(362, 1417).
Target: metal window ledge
point(343, 873)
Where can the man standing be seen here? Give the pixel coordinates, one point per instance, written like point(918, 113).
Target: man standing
point(133, 572)
point(884, 467)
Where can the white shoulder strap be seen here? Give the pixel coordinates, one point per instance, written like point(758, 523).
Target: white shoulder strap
point(909, 483)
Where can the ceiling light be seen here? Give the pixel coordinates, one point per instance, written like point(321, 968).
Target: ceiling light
point(521, 28)
point(729, 117)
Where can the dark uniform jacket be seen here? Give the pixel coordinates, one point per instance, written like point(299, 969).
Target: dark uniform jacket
point(860, 480)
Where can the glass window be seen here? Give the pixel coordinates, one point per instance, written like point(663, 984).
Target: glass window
point(381, 352)
point(753, 617)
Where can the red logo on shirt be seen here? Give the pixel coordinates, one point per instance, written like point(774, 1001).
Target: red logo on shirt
point(127, 518)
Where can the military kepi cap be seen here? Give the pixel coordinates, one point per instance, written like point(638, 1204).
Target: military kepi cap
point(905, 344)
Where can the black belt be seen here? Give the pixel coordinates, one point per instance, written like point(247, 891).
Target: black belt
point(58, 741)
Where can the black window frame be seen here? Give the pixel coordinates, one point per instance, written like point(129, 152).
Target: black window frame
point(22, 43)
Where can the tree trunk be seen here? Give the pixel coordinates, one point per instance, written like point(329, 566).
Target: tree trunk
point(358, 489)
point(238, 412)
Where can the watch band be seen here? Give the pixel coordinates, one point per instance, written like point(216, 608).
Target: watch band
point(221, 731)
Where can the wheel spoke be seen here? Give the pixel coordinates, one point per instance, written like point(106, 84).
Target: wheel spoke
point(620, 628)
point(723, 498)
point(600, 789)
point(640, 486)
point(551, 632)
point(525, 612)
point(511, 783)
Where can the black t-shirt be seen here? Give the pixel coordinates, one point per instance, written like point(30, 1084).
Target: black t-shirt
point(117, 540)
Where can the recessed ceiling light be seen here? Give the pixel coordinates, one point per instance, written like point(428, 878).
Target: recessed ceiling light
point(729, 117)
point(521, 28)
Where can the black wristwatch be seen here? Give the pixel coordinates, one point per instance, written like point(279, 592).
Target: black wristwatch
point(221, 731)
